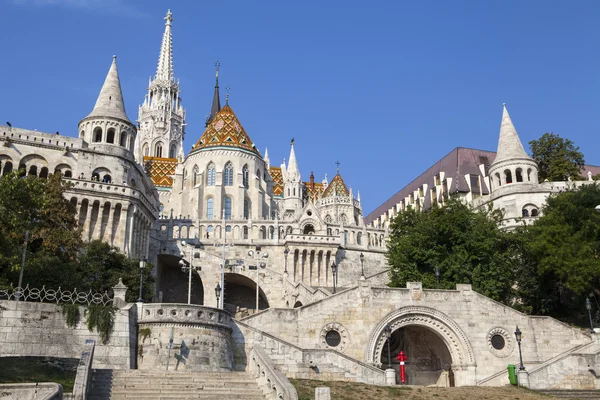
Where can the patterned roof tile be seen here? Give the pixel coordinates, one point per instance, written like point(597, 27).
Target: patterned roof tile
point(161, 170)
point(277, 180)
point(336, 187)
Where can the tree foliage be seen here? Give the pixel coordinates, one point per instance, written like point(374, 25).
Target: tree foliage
point(558, 158)
point(466, 245)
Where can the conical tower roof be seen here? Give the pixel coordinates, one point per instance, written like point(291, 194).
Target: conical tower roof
point(225, 130)
point(336, 187)
point(292, 163)
point(164, 70)
point(509, 144)
point(110, 100)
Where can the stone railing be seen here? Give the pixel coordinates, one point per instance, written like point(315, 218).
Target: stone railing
point(31, 391)
point(163, 313)
point(110, 188)
point(274, 383)
point(334, 240)
point(83, 376)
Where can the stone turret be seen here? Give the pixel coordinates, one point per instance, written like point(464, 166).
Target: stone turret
point(162, 116)
point(108, 124)
point(512, 164)
point(292, 182)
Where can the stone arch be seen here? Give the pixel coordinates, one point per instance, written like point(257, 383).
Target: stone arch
point(461, 351)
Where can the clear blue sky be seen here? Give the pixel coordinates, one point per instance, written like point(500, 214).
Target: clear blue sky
point(385, 87)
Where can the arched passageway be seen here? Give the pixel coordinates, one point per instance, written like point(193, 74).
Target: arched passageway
point(173, 283)
point(429, 360)
point(240, 293)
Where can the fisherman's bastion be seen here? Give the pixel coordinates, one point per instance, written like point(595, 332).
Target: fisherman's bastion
point(288, 278)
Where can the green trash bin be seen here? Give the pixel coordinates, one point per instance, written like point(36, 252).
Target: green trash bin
point(512, 374)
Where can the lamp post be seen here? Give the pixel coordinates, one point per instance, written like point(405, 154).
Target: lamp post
point(437, 276)
point(518, 337)
point(588, 306)
point(259, 265)
point(388, 335)
point(188, 268)
point(362, 262)
point(285, 256)
point(333, 274)
point(23, 265)
point(142, 268)
point(218, 293)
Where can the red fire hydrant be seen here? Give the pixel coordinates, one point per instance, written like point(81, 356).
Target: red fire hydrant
point(402, 359)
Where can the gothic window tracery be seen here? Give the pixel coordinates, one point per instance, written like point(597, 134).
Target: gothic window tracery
point(158, 149)
point(227, 207)
point(210, 203)
point(146, 150)
point(195, 176)
point(228, 176)
point(211, 175)
point(245, 176)
point(172, 151)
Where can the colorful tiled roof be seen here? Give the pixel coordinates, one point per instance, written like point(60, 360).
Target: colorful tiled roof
point(336, 187)
point(161, 170)
point(313, 190)
point(225, 130)
point(277, 180)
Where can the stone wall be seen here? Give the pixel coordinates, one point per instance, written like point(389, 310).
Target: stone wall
point(40, 329)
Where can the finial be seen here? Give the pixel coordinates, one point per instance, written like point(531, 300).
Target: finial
point(227, 95)
point(338, 166)
point(169, 17)
point(114, 57)
point(504, 104)
point(292, 143)
point(217, 65)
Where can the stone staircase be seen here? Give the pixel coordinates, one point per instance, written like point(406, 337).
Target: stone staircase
point(158, 385)
point(572, 394)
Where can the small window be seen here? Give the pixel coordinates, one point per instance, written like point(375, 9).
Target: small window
point(158, 150)
point(210, 203)
point(535, 212)
point(211, 175)
point(98, 134)
point(525, 213)
point(110, 136)
point(123, 141)
point(227, 207)
point(498, 342)
point(245, 176)
point(228, 175)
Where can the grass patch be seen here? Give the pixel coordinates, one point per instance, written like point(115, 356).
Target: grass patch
point(39, 369)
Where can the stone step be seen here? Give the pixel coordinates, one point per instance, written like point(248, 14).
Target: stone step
point(572, 394)
point(198, 396)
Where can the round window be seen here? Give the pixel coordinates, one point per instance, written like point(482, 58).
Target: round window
point(333, 338)
point(309, 213)
point(498, 342)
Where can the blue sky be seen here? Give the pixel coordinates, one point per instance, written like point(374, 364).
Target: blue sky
point(385, 87)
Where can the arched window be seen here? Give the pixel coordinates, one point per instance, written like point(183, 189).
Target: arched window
point(227, 207)
point(158, 150)
point(123, 141)
point(263, 232)
point(359, 238)
point(209, 231)
point(172, 151)
point(107, 179)
point(258, 173)
point(245, 232)
point(68, 174)
point(525, 213)
point(508, 176)
point(97, 134)
point(498, 180)
point(211, 175)
point(8, 167)
point(228, 228)
point(131, 143)
point(146, 150)
point(246, 209)
point(328, 219)
point(82, 134)
point(110, 136)
point(44, 173)
point(228, 175)
point(133, 184)
point(529, 174)
point(210, 208)
point(535, 212)
point(519, 175)
point(245, 176)
point(271, 232)
point(309, 229)
point(95, 176)
point(195, 175)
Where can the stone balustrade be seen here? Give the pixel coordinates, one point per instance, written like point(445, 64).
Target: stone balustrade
point(274, 383)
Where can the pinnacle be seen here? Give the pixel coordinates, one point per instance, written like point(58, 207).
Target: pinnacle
point(509, 144)
point(110, 100)
point(164, 71)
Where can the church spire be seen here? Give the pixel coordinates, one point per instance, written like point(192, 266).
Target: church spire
point(292, 166)
point(509, 144)
point(216, 104)
point(164, 71)
point(110, 100)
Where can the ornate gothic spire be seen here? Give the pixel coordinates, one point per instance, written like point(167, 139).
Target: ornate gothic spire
point(164, 71)
point(292, 163)
point(509, 144)
point(110, 100)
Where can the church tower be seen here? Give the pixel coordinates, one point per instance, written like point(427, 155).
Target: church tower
point(107, 125)
point(512, 164)
point(161, 117)
point(292, 183)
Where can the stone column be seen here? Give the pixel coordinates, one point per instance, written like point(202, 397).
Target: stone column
point(121, 231)
point(109, 225)
point(86, 224)
point(119, 290)
point(97, 234)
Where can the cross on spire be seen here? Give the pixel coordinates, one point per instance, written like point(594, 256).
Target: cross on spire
point(227, 95)
point(217, 65)
point(337, 163)
point(169, 17)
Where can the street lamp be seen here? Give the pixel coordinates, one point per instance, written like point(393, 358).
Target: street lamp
point(23, 265)
point(362, 262)
point(188, 268)
point(142, 268)
point(437, 276)
point(588, 306)
point(259, 265)
point(518, 337)
point(333, 274)
point(285, 255)
point(388, 335)
point(218, 293)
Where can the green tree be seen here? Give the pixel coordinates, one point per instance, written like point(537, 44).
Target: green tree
point(466, 245)
point(564, 248)
point(558, 158)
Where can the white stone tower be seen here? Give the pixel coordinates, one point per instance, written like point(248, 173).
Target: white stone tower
point(107, 127)
point(292, 183)
point(512, 164)
point(161, 118)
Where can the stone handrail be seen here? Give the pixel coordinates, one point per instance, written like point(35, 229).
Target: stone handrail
point(83, 375)
point(172, 313)
point(273, 382)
